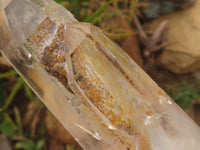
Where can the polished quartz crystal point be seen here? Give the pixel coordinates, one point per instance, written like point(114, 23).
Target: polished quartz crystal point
point(23, 19)
point(99, 94)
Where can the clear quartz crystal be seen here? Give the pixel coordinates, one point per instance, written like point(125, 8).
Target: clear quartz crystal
point(142, 117)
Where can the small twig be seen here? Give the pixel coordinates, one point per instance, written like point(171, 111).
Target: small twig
point(152, 43)
point(157, 36)
point(163, 44)
point(142, 35)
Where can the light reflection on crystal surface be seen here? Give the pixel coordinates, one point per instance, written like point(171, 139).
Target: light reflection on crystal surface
point(95, 135)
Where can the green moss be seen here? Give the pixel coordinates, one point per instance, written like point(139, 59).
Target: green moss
point(183, 93)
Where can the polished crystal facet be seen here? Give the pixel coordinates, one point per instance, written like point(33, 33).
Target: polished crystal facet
point(101, 96)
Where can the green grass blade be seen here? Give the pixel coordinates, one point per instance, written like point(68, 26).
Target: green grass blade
point(7, 74)
point(28, 91)
point(7, 117)
point(11, 96)
point(40, 144)
point(70, 147)
point(98, 12)
point(18, 121)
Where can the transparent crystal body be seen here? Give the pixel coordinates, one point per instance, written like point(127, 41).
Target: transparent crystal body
point(113, 105)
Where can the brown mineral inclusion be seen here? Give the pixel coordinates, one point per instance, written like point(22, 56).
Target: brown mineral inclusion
point(51, 42)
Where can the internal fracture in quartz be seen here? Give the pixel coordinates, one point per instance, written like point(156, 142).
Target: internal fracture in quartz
point(115, 98)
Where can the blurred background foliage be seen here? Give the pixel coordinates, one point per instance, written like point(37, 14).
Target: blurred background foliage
point(183, 93)
point(94, 11)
